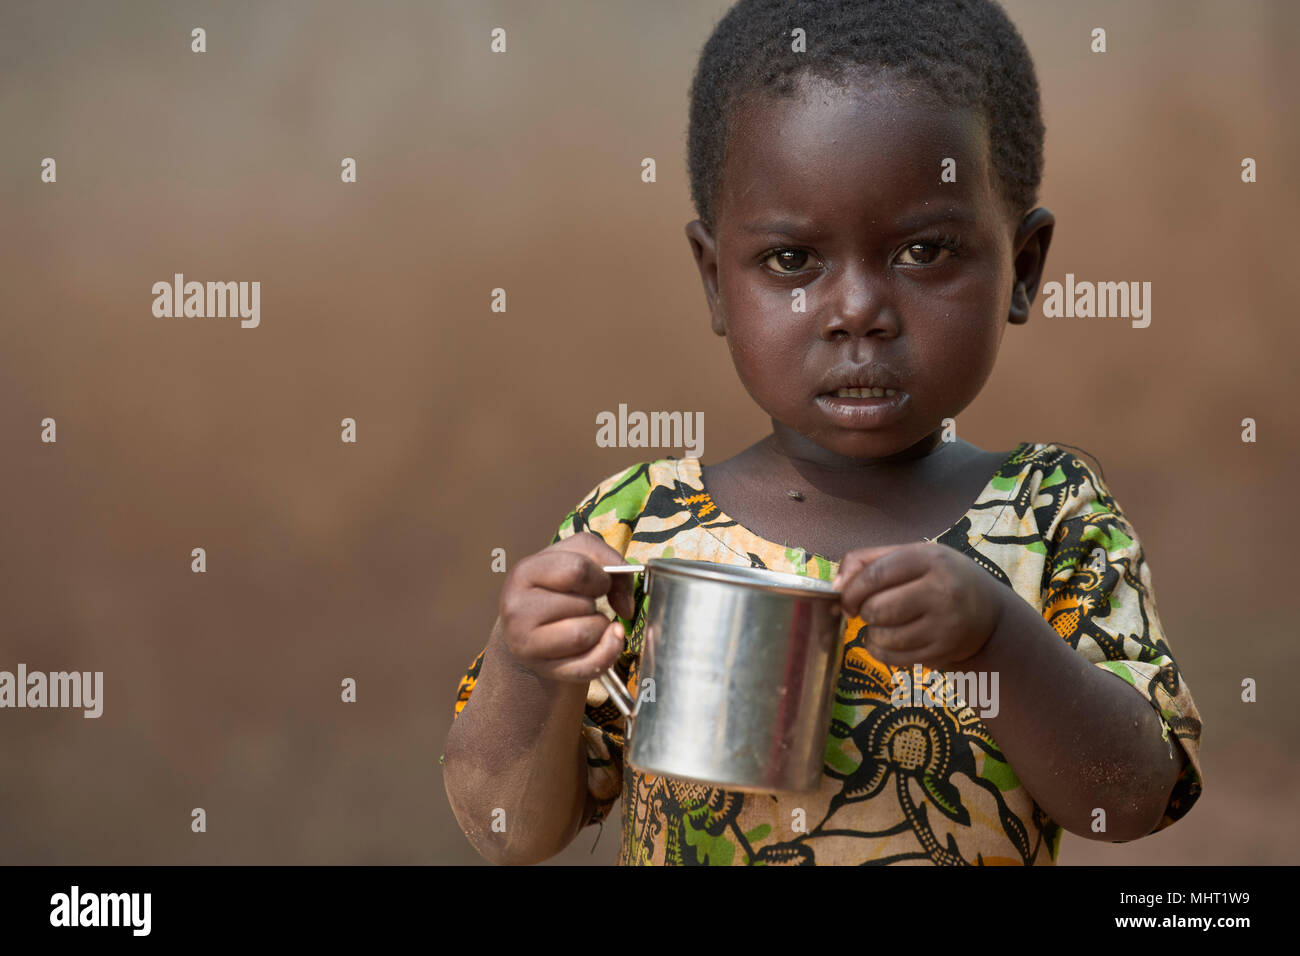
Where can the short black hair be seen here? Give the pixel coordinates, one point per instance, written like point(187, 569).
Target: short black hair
point(962, 53)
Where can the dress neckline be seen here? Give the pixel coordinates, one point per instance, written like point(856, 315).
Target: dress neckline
point(692, 470)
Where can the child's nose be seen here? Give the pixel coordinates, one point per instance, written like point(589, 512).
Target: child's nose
point(859, 306)
point(859, 320)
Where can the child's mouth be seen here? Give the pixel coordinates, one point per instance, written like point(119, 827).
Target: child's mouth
point(864, 392)
point(864, 407)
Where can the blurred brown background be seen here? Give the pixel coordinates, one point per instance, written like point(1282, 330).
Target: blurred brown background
point(477, 429)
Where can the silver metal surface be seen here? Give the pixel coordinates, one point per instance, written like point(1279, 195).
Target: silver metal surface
point(742, 665)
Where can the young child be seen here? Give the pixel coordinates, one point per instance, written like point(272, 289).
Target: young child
point(867, 229)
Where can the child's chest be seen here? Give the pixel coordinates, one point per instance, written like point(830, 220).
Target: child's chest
point(828, 528)
point(831, 526)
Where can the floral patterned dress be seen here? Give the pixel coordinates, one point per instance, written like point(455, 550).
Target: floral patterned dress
point(900, 784)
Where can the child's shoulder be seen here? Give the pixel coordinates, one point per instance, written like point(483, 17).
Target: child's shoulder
point(1064, 483)
point(1061, 463)
point(627, 492)
point(1050, 457)
point(643, 476)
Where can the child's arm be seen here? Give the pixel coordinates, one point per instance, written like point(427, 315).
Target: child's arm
point(1078, 738)
point(515, 756)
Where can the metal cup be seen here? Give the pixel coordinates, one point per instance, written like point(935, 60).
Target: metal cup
point(737, 676)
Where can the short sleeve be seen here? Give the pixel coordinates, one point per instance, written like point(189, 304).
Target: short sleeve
point(609, 510)
point(1097, 595)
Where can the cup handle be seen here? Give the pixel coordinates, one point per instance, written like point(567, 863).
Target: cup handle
point(609, 679)
point(618, 693)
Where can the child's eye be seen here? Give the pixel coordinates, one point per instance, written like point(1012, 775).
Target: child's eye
point(795, 258)
point(926, 252)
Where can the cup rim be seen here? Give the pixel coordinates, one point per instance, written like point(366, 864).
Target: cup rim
point(759, 579)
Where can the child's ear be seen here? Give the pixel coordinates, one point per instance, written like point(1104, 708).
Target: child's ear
point(705, 249)
point(1029, 253)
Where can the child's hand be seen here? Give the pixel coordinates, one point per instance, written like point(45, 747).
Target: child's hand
point(922, 603)
point(548, 609)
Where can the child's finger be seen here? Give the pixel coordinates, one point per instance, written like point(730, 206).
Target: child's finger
point(592, 664)
point(898, 566)
point(897, 605)
point(595, 581)
point(855, 561)
point(899, 646)
point(569, 638)
point(545, 607)
point(564, 571)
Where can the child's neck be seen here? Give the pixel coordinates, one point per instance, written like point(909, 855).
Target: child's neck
point(788, 455)
point(830, 505)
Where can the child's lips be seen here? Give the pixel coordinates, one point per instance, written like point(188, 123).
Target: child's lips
point(860, 408)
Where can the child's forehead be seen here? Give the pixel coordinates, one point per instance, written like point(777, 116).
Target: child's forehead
point(881, 107)
point(875, 144)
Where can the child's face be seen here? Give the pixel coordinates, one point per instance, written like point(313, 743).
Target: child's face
point(840, 194)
